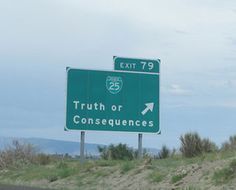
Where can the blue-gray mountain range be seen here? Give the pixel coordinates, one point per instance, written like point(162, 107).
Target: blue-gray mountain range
point(50, 146)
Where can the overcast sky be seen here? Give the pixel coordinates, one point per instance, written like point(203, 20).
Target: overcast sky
point(195, 40)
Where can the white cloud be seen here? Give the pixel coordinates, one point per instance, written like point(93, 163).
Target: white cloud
point(229, 104)
point(43, 37)
point(177, 90)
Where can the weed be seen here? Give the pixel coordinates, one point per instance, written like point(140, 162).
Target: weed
point(62, 165)
point(52, 178)
point(43, 159)
point(232, 166)
point(17, 155)
point(191, 188)
point(156, 176)
point(164, 152)
point(105, 163)
point(116, 152)
point(101, 173)
point(87, 166)
point(230, 144)
point(224, 175)
point(178, 177)
point(191, 145)
point(127, 166)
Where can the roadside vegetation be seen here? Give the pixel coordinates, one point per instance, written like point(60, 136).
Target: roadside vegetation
point(197, 164)
point(225, 174)
point(19, 154)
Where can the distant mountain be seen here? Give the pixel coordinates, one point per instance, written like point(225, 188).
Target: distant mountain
point(50, 146)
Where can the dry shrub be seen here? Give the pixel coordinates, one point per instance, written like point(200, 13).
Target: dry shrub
point(192, 145)
point(164, 152)
point(17, 154)
point(43, 159)
point(230, 144)
point(208, 146)
point(116, 152)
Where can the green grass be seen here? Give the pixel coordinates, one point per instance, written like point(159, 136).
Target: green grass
point(101, 173)
point(127, 166)
point(106, 163)
point(224, 175)
point(227, 154)
point(156, 176)
point(96, 174)
point(178, 177)
point(191, 188)
point(177, 161)
point(50, 172)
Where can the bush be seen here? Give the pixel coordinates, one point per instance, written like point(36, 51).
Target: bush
point(145, 153)
point(164, 152)
point(104, 153)
point(17, 154)
point(232, 141)
point(173, 152)
point(52, 178)
point(43, 159)
point(118, 152)
point(208, 146)
point(191, 145)
point(230, 144)
point(225, 146)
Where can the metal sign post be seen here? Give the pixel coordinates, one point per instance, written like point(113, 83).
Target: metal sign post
point(82, 139)
point(140, 147)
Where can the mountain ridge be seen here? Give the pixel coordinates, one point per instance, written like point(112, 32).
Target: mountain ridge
point(52, 146)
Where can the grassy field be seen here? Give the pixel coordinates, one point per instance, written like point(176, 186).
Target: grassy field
point(209, 171)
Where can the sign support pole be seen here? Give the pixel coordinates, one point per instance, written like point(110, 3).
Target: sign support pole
point(140, 148)
point(82, 139)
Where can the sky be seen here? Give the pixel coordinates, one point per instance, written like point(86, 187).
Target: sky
point(195, 40)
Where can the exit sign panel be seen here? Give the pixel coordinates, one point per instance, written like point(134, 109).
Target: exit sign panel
point(112, 101)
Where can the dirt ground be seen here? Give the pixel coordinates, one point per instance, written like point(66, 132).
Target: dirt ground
point(197, 175)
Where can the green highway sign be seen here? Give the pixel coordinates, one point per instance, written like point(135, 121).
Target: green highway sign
point(112, 101)
point(139, 65)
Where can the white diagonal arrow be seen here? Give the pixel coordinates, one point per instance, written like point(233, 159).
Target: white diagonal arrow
point(149, 106)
